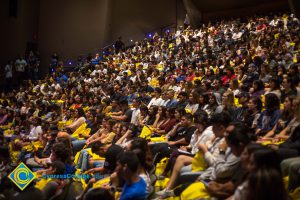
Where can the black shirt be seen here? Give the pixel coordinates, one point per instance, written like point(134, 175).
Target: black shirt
point(128, 115)
point(239, 176)
point(182, 104)
point(183, 132)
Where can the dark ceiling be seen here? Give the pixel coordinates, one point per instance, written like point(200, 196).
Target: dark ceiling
point(221, 5)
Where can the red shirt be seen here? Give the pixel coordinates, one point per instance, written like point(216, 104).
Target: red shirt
point(190, 77)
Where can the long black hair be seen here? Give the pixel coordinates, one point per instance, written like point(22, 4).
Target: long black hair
point(81, 112)
point(272, 102)
point(266, 184)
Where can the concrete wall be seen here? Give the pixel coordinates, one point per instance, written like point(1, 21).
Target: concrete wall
point(222, 5)
point(72, 27)
point(75, 27)
point(242, 10)
point(16, 32)
point(131, 19)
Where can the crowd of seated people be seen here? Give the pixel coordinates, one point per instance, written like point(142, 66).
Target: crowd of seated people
point(200, 113)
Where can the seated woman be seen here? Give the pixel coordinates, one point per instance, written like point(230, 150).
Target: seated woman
point(269, 116)
point(274, 87)
point(285, 118)
point(6, 117)
point(257, 89)
point(286, 132)
point(80, 118)
point(100, 134)
point(165, 125)
point(84, 162)
point(128, 135)
point(105, 106)
point(45, 161)
point(79, 142)
point(35, 161)
point(253, 113)
point(143, 173)
point(179, 112)
point(143, 117)
point(202, 134)
point(160, 116)
point(152, 115)
point(227, 103)
point(264, 170)
point(234, 87)
point(122, 129)
point(56, 185)
point(212, 105)
point(112, 128)
point(223, 190)
point(63, 153)
point(210, 149)
point(193, 103)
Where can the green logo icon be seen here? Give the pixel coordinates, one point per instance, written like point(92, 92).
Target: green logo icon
point(22, 176)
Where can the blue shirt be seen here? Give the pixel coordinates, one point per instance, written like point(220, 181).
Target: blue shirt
point(131, 97)
point(136, 191)
point(268, 119)
point(95, 61)
point(64, 77)
point(180, 78)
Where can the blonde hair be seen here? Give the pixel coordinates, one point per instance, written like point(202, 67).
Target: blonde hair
point(230, 99)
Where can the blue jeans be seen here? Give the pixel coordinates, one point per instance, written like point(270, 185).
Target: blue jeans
point(98, 164)
point(78, 145)
point(83, 160)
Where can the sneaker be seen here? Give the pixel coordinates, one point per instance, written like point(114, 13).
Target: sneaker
point(79, 197)
point(161, 177)
point(165, 193)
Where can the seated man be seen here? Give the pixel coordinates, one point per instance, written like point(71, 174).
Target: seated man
point(179, 136)
point(55, 185)
point(210, 150)
point(35, 161)
point(125, 114)
point(156, 99)
point(110, 152)
point(127, 168)
point(227, 162)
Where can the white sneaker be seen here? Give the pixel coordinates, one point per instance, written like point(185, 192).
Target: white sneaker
point(160, 177)
point(165, 193)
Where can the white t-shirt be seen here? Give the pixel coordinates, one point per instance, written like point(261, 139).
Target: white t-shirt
point(35, 132)
point(205, 136)
point(192, 107)
point(155, 101)
point(20, 65)
point(8, 71)
point(134, 116)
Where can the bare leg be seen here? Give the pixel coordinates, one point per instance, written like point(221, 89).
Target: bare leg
point(181, 161)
